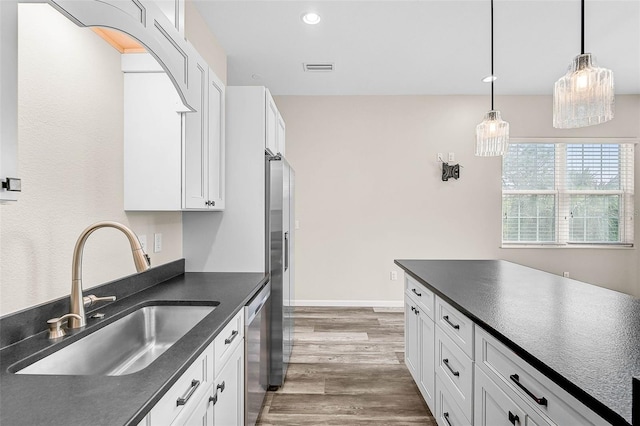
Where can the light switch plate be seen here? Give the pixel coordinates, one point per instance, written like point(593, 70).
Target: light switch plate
point(143, 242)
point(157, 243)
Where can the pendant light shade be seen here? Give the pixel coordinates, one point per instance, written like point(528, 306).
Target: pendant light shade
point(492, 135)
point(585, 95)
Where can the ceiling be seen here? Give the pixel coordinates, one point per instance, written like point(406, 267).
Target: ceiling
point(433, 47)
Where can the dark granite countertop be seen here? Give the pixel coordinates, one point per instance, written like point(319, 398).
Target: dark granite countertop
point(583, 337)
point(120, 400)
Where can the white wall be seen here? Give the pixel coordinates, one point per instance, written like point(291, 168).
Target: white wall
point(70, 95)
point(369, 190)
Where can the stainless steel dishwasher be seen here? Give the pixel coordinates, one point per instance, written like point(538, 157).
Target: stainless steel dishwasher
point(256, 354)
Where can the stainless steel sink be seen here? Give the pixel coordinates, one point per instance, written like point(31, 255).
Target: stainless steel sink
point(125, 346)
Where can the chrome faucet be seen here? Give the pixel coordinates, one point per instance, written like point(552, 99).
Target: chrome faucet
point(76, 318)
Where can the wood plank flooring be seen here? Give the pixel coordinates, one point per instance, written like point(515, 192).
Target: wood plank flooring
point(347, 368)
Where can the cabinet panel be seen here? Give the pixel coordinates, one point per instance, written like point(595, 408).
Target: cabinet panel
point(271, 141)
point(8, 95)
point(411, 348)
point(494, 408)
point(196, 143)
point(426, 384)
point(216, 142)
point(456, 325)
point(202, 413)
point(455, 370)
point(510, 371)
point(447, 411)
point(422, 295)
point(186, 391)
point(281, 133)
point(229, 406)
point(152, 143)
point(228, 339)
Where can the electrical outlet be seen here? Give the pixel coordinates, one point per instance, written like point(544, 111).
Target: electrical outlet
point(393, 276)
point(565, 274)
point(440, 157)
point(157, 243)
point(143, 242)
point(452, 157)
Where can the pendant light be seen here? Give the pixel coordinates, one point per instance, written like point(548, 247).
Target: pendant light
point(584, 96)
point(492, 135)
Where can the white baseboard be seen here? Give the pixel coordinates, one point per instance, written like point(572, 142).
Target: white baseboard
point(353, 303)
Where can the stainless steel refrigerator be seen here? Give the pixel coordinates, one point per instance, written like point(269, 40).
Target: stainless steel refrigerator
point(280, 244)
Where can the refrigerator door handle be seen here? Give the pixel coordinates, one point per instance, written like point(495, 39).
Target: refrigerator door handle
point(286, 251)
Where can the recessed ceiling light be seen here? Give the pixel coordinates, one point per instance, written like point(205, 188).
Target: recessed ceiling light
point(489, 79)
point(310, 18)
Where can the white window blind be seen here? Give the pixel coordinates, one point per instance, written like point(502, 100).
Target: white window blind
point(568, 193)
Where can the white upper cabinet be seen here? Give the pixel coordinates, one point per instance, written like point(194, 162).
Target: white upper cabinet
point(174, 159)
point(8, 100)
point(275, 127)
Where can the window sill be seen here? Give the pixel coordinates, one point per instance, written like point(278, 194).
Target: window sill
point(568, 246)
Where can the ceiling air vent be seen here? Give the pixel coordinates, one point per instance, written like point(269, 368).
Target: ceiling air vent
point(318, 67)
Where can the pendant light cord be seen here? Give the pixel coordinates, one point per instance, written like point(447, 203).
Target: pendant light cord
point(492, 75)
point(582, 28)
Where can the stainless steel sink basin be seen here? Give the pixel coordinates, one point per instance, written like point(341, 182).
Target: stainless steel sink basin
point(125, 346)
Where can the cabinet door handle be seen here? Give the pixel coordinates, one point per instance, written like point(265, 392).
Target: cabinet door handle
point(413, 309)
point(513, 418)
point(446, 362)
point(416, 292)
point(213, 398)
point(228, 340)
point(183, 399)
point(516, 379)
point(221, 387)
point(446, 319)
point(446, 418)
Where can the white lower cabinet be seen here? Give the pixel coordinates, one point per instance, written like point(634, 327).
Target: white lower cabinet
point(495, 408)
point(419, 348)
point(196, 399)
point(202, 414)
point(447, 412)
point(183, 397)
point(229, 391)
point(467, 377)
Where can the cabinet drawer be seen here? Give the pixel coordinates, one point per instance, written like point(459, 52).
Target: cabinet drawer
point(456, 325)
point(420, 294)
point(227, 339)
point(201, 414)
point(447, 412)
point(505, 367)
point(455, 370)
point(186, 392)
point(494, 407)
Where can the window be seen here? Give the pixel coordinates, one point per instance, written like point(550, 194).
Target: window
point(567, 193)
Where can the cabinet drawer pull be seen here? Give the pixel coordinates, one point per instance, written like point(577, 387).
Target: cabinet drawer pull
point(446, 362)
point(446, 418)
point(446, 319)
point(183, 399)
point(416, 292)
point(513, 418)
point(516, 380)
point(228, 340)
point(213, 399)
point(221, 387)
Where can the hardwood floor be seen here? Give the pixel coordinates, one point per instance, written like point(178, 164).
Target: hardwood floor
point(347, 368)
